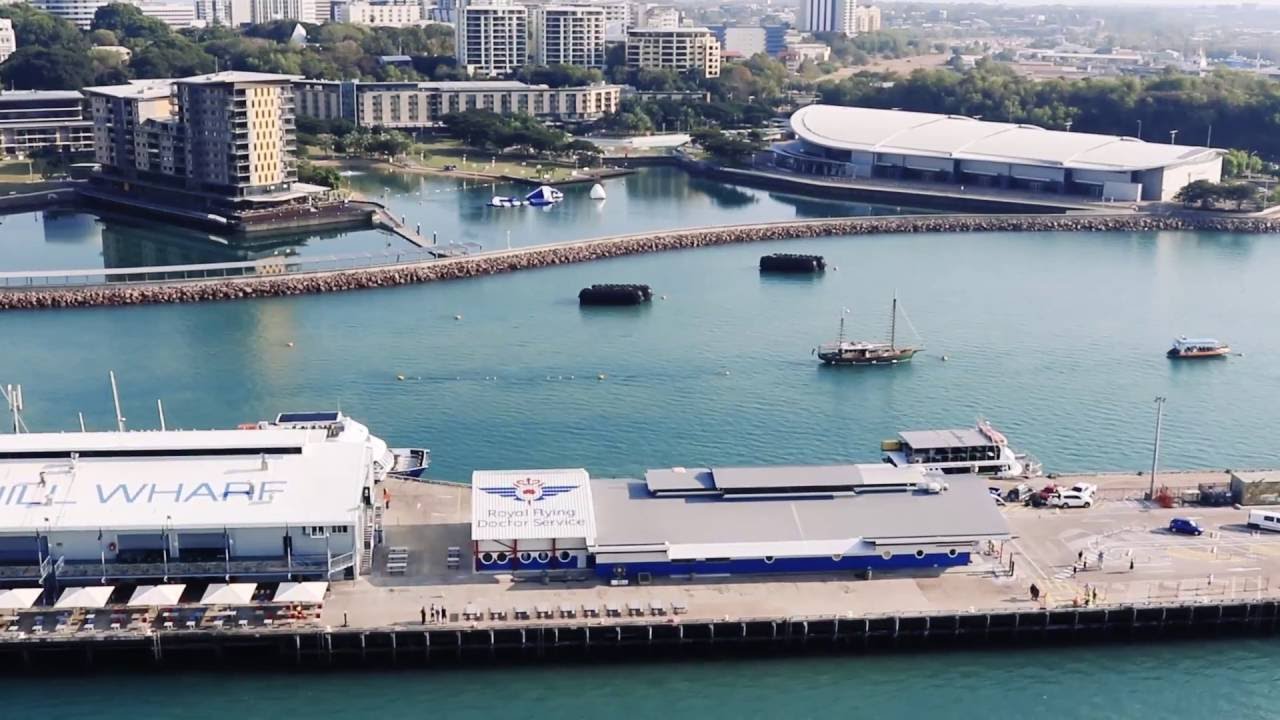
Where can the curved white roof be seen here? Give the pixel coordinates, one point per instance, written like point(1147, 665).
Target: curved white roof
point(963, 138)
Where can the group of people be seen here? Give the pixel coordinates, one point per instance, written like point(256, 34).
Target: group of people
point(437, 614)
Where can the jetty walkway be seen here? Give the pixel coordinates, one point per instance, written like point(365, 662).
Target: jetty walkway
point(87, 288)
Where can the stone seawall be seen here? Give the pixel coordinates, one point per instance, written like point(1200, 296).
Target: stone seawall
point(587, 250)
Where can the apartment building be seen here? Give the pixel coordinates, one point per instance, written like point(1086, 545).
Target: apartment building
point(37, 119)
point(176, 15)
point(8, 41)
point(380, 14)
point(77, 12)
point(228, 135)
point(867, 19)
point(839, 16)
point(679, 49)
point(418, 105)
point(492, 38)
point(261, 11)
point(567, 35)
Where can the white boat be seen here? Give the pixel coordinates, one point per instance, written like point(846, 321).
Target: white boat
point(980, 450)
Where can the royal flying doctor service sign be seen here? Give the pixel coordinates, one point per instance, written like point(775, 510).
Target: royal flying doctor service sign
point(531, 505)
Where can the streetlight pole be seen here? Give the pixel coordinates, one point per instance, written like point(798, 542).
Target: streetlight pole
point(1173, 135)
point(1155, 450)
point(1139, 129)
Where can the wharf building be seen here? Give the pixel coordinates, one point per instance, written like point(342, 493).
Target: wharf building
point(290, 499)
point(223, 141)
point(691, 50)
point(33, 120)
point(420, 105)
point(567, 35)
point(491, 37)
point(860, 143)
point(745, 520)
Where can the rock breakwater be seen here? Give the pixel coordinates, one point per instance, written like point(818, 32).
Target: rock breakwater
point(587, 250)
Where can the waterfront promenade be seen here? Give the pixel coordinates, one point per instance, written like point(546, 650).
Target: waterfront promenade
point(35, 290)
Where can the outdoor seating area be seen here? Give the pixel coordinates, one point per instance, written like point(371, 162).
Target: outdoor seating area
point(571, 611)
point(397, 560)
point(146, 609)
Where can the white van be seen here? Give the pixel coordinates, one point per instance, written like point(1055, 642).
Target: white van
point(1265, 519)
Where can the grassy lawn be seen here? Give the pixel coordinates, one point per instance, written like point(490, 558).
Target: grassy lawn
point(451, 152)
point(16, 171)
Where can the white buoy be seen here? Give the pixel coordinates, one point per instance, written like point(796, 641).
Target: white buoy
point(457, 317)
point(400, 377)
point(597, 192)
point(944, 358)
point(601, 376)
point(290, 344)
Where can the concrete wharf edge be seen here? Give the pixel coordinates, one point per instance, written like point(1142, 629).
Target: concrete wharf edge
point(502, 261)
point(445, 646)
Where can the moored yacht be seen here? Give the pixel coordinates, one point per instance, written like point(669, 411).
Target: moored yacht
point(980, 450)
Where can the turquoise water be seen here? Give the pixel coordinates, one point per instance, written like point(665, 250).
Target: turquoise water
point(1209, 680)
point(1058, 339)
point(452, 209)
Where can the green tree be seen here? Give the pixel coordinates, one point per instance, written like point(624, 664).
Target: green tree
point(172, 56)
point(42, 68)
point(309, 172)
point(36, 28)
point(1199, 192)
point(103, 37)
point(1239, 163)
point(128, 24)
point(1239, 193)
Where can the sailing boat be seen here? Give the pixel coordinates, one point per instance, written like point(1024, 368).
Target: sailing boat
point(861, 352)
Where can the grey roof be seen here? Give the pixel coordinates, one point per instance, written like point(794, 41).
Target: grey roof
point(626, 514)
point(925, 439)
point(964, 138)
point(236, 76)
point(679, 480)
point(40, 95)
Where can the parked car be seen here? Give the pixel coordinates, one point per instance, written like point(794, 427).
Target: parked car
point(1021, 493)
point(1049, 491)
point(1085, 488)
point(1071, 499)
point(1185, 526)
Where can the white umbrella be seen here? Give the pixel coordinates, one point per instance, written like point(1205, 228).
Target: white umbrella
point(19, 598)
point(233, 594)
point(304, 592)
point(94, 596)
point(156, 595)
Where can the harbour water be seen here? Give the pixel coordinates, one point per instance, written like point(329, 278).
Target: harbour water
point(1220, 679)
point(453, 209)
point(1059, 339)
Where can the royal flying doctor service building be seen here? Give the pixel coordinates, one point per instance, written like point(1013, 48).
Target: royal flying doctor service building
point(289, 499)
point(684, 521)
point(856, 142)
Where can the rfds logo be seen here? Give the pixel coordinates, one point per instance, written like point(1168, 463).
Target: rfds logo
point(529, 490)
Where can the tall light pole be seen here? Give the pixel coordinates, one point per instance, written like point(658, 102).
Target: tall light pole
point(1173, 136)
point(1139, 129)
point(1155, 450)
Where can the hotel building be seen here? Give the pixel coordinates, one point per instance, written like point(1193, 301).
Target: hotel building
point(679, 49)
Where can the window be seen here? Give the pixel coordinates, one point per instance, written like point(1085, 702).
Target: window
point(919, 554)
point(317, 531)
point(339, 530)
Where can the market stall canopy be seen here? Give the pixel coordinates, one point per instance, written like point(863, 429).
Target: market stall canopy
point(156, 595)
point(301, 592)
point(229, 594)
point(94, 596)
point(19, 598)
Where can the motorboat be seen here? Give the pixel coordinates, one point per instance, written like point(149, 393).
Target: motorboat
point(1197, 348)
point(980, 450)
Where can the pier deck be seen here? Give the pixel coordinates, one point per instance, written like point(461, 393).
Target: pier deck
point(1228, 562)
point(1179, 586)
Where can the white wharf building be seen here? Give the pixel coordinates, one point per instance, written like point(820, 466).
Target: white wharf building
point(289, 499)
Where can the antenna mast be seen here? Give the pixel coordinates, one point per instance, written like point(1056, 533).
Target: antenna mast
point(893, 323)
point(115, 397)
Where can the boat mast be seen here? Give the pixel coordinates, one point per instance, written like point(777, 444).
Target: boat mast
point(840, 337)
point(893, 323)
